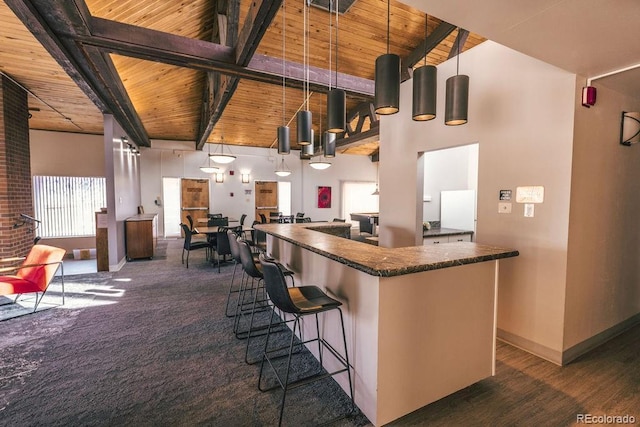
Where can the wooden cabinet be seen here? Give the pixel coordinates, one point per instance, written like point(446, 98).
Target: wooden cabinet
point(141, 236)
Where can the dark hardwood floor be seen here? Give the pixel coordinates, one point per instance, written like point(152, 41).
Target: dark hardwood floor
point(529, 391)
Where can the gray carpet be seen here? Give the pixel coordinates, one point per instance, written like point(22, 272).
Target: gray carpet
point(146, 346)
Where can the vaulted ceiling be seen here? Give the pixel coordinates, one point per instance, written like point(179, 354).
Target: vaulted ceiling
point(205, 70)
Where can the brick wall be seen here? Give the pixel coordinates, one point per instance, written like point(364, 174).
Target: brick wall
point(15, 170)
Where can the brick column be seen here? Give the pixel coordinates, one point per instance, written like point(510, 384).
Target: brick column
point(15, 170)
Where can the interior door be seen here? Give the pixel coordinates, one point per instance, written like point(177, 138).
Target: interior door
point(266, 198)
point(195, 199)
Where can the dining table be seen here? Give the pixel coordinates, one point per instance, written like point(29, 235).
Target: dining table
point(206, 220)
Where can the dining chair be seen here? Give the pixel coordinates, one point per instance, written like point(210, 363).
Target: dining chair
point(221, 245)
point(190, 245)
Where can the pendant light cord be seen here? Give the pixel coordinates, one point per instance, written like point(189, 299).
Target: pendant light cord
point(337, 31)
point(330, 39)
point(284, 91)
point(388, 22)
point(307, 37)
point(458, 53)
point(426, 34)
point(304, 52)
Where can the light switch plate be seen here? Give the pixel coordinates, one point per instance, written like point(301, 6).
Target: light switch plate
point(529, 210)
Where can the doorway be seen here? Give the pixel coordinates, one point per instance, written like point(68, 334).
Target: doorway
point(182, 197)
point(450, 186)
point(195, 199)
point(266, 198)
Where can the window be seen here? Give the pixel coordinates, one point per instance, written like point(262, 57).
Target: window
point(66, 205)
point(357, 197)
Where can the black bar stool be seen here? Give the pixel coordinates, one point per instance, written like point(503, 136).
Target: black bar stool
point(253, 273)
point(299, 301)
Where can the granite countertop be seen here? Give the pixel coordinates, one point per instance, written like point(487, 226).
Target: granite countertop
point(439, 231)
point(380, 261)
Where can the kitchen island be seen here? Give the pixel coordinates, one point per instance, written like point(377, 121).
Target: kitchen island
point(420, 321)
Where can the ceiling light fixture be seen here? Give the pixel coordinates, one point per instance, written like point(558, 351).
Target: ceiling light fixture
point(336, 98)
point(329, 144)
point(284, 141)
point(321, 164)
point(222, 157)
point(387, 78)
point(307, 151)
point(457, 95)
point(282, 169)
point(209, 168)
point(425, 83)
point(304, 131)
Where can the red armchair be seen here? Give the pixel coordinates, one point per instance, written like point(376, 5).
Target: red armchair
point(35, 273)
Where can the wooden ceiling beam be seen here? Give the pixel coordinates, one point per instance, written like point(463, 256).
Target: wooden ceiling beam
point(157, 46)
point(258, 19)
point(461, 39)
point(428, 44)
point(225, 33)
point(56, 26)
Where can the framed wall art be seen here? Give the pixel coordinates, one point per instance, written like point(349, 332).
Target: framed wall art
point(324, 197)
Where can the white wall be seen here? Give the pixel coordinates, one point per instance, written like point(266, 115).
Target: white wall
point(122, 173)
point(603, 282)
point(179, 159)
point(521, 114)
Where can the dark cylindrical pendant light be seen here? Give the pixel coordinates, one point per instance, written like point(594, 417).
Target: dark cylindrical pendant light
point(336, 98)
point(284, 143)
point(307, 151)
point(457, 100)
point(425, 82)
point(336, 111)
point(329, 144)
point(387, 78)
point(387, 84)
point(457, 95)
point(305, 135)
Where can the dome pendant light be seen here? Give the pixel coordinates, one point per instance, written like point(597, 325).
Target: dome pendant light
point(209, 168)
point(283, 170)
point(387, 78)
point(336, 98)
point(425, 83)
point(457, 95)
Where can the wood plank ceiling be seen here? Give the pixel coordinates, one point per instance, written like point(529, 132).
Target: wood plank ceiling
point(168, 100)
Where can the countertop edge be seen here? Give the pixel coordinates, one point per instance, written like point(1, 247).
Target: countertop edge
point(499, 253)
